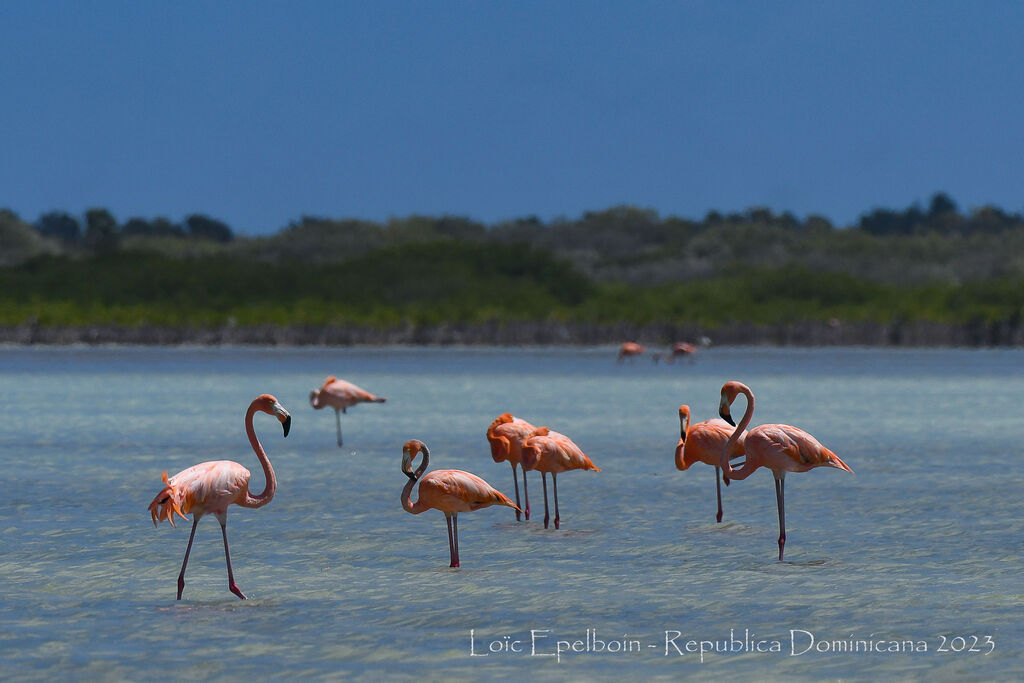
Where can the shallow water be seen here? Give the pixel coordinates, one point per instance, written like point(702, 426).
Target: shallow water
point(922, 545)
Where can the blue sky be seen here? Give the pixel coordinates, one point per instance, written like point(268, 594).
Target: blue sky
point(258, 113)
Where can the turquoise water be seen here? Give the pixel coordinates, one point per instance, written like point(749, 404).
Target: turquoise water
point(922, 546)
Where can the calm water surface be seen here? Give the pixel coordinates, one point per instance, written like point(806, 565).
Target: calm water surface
point(922, 544)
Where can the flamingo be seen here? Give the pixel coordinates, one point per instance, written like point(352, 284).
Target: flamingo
point(506, 435)
point(212, 486)
point(628, 350)
point(339, 394)
point(781, 448)
point(703, 442)
point(450, 491)
point(548, 451)
point(682, 349)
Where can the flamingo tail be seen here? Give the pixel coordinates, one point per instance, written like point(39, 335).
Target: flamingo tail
point(835, 461)
point(166, 503)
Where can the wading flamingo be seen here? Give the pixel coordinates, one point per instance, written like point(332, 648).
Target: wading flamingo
point(703, 442)
point(210, 487)
point(450, 491)
point(339, 394)
point(780, 448)
point(548, 451)
point(628, 350)
point(682, 349)
point(506, 435)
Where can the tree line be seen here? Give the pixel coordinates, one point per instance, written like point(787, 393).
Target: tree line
point(623, 263)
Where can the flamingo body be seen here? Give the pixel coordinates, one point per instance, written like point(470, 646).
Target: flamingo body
point(450, 491)
point(210, 487)
point(703, 442)
point(506, 435)
point(551, 452)
point(629, 349)
point(340, 395)
point(778, 447)
point(783, 448)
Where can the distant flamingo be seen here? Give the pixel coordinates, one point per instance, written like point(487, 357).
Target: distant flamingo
point(628, 350)
point(548, 451)
point(703, 442)
point(778, 447)
point(212, 486)
point(506, 435)
point(450, 491)
point(339, 394)
point(682, 349)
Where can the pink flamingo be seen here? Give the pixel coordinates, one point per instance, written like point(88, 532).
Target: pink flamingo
point(212, 486)
point(781, 448)
point(628, 350)
point(506, 435)
point(703, 442)
point(340, 395)
point(548, 451)
point(450, 491)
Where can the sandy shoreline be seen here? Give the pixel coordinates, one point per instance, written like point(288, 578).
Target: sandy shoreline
point(812, 333)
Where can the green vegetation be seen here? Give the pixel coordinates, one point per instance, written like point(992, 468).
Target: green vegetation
point(623, 264)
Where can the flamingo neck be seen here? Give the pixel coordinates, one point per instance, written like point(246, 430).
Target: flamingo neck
point(748, 466)
point(407, 504)
point(267, 495)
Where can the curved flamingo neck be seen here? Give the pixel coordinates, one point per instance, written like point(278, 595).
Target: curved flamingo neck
point(748, 466)
point(267, 495)
point(407, 504)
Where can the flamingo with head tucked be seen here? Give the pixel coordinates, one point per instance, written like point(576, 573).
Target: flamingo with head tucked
point(340, 395)
point(210, 487)
point(450, 491)
point(548, 451)
point(506, 435)
point(628, 350)
point(703, 442)
point(781, 448)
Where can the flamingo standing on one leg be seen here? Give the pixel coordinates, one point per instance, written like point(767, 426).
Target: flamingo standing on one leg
point(548, 451)
point(628, 350)
point(340, 395)
point(506, 435)
point(450, 491)
point(781, 448)
point(212, 486)
point(703, 442)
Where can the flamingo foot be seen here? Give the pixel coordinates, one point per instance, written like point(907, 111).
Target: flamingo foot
point(234, 589)
point(546, 520)
point(181, 586)
point(718, 517)
point(556, 522)
point(782, 545)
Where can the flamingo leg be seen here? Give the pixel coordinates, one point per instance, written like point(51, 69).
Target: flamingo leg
point(515, 480)
point(718, 490)
point(554, 483)
point(544, 483)
point(184, 563)
point(455, 526)
point(526, 497)
point(337, 419)
point(451, 543)
point(780, 496)
point(227, 556)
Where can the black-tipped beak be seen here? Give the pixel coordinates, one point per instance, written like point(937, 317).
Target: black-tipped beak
point(287, 425)
point(409, 474)
point(727, 417)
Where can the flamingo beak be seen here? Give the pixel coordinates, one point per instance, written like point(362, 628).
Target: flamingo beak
point(723, 412)
point(287, 425)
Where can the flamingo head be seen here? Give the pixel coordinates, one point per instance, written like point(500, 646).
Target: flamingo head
point(270, 405)
point(410, 450)
point(314, 398)
point(684, 421)
point(730, 390)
